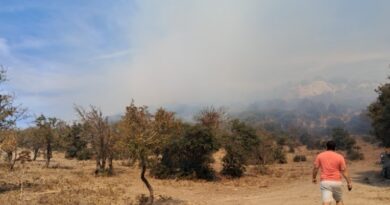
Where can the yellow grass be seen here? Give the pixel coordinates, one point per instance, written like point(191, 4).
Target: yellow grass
point(72, 182)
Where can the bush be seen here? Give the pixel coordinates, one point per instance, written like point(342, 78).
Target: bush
point(188, 156)
point(299, 158)
point(279, 155)
point(233, 165)
point(84, 154)
point(291, 149)
point(263, 170)
point(71, 152)
point(354, 155)
point(342, 139)
point(239, 146)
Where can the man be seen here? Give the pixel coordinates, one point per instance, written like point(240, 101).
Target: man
point(332, 166)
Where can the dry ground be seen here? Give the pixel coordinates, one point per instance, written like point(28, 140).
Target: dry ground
point(72, 182)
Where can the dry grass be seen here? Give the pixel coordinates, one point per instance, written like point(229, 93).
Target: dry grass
point(73, 182)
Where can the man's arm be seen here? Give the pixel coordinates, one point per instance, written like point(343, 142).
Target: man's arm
point(315, 171)
point(346, 176)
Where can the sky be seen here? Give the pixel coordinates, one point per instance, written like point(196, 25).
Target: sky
point(106, 53)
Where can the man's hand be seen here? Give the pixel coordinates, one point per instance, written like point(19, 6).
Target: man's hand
point(315, 171)
point(349, 186)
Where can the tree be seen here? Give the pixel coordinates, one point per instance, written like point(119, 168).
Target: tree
point(137, 126)
point(98, 133)
point(167, 128)
point(76, 146)
point(379, 112)
point(9, 112)
point(239, 146)
point(342, 139)
point(9, 115)
point(9, 145)
point(46, 129)
point(33, 140)
point(211, 118)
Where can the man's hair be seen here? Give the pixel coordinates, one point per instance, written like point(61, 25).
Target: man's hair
point(331, 145)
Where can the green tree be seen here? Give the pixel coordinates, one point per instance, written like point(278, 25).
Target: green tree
point(239, 145)
point(10, 113)
point(76, 146)
point(342, 139)
point(33, 140)
point(379, 112)
point(46, 129)
point(137, 126)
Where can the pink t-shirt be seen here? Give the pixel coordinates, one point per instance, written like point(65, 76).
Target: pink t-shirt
point(330, 164)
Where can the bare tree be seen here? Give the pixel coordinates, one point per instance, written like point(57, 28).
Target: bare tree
point(100, 136)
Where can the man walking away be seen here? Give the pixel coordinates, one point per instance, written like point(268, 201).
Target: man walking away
point(332, 166)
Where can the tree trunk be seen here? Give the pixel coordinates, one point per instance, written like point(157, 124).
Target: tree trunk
point(103, 168)
point(12, 161)
point(48, 154)
point(98, 165)
point(143, 178)
point(35, 154)
point(9, 157)
point(110, 167)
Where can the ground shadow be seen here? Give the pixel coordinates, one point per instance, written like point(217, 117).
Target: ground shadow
point(58, 166)
point(373, 178)
point(6, 187)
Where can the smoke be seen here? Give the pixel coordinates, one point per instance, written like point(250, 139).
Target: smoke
point(196, 52)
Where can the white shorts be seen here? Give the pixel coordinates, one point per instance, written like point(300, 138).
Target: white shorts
point(331, 190)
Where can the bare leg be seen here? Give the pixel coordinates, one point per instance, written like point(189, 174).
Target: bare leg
point(327, 203)
point(339, 203)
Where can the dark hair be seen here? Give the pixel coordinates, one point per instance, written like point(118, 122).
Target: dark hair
point(331, 145)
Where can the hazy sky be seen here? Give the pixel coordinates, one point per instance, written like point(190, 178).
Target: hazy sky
point(61, 53)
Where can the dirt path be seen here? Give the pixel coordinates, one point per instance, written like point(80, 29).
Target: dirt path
point(368, 188)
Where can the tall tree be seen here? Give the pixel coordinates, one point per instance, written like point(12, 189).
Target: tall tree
point(146, 135)
point(379, 112)
point(9, 111)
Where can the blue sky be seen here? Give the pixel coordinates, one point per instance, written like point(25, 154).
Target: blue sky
point(61, 53)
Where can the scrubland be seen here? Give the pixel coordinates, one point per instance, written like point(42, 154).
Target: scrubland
point(73, 182)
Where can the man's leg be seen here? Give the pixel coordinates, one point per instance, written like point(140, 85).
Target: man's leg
point(326, 193)
point(338, 194)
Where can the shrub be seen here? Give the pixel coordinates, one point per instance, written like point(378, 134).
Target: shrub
point(189, 155)
point(233, 165)
point(353, 154)
point(279, 155)
point(263, 170)
point(84, 154)
point(239, 146)
point(291, 149)
point(342, 139)
point(299, 158)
